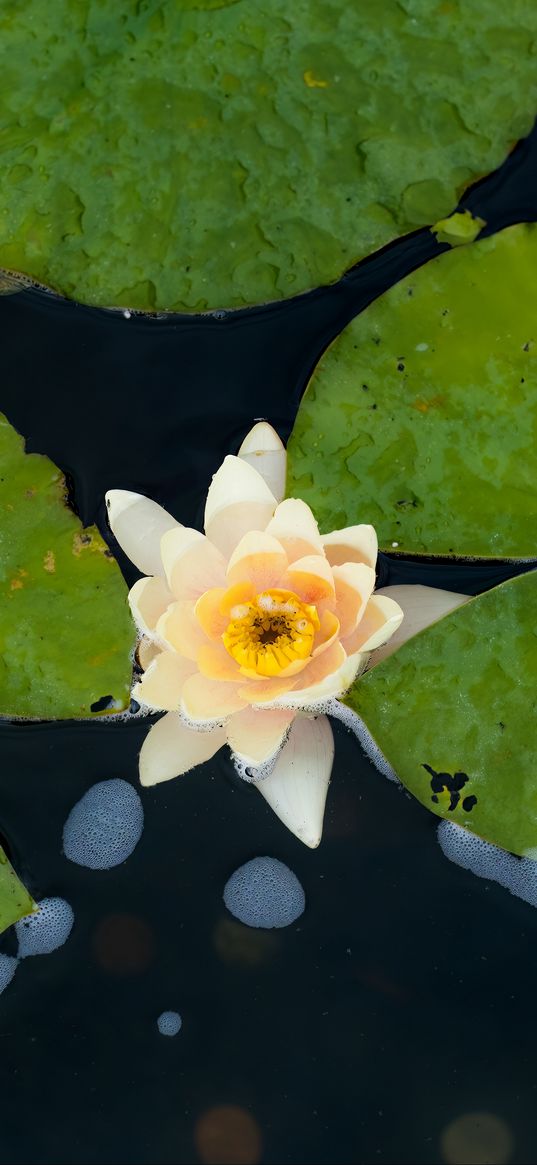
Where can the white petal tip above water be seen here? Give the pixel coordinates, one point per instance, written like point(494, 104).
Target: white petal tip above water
point(138, 525)
point(118, 500)
point(421, 607)
point(297, 786)
point(262, 438)
point(263, 450)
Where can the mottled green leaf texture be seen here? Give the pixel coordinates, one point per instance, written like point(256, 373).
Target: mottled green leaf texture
point(66, 634)
point(15, 901)
point(454, 712)
point(422, 416)
point(198, 154)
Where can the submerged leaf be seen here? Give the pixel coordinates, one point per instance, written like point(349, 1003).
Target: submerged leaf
point(15, 901)
point(248, 152)
point(453, 711)
point(66, 635)
point(422, 417)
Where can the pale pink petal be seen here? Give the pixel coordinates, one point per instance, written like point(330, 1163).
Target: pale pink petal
point(209, 612)
point(138, 524)
point(421, 607)
point(217, 664)
point(327, 633)
point(310, 578)
point(149, 598)
point(327, 677)
point(297, 786)
point(295, 528)
point(205, 701)
point(171, 749)
point(258, 559)
point(379, 622)
point(161, 686)
point(179, 629)
point(146, 652)
point(353, 544)
point(266, 691)
point(264, 451)
point(191, 563)
point(354, 584)
point(254, 736)
point(238, 500)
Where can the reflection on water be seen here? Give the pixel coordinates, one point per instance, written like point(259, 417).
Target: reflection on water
point(123, 944)
point(228, 1135)
point(477, 1138)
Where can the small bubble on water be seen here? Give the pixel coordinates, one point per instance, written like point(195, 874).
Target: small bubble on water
point(169, 1023)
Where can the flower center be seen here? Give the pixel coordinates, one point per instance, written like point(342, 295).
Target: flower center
point(272, 631)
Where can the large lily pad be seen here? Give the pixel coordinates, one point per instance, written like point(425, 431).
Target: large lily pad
point(454, 712)
point(422, 416)
point(66, 634)
point(15, 901)
point(244, 152)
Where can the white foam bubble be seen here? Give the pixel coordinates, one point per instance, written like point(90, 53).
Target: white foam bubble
point(518, 875)
point(264, 893)
point(45, 930)
point(356, 725)
point(169, 1023)
point(8, 966)
point(105, 826)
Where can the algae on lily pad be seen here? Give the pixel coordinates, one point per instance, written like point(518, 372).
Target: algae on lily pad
point(66, 635)
point(422, 416)
point(454, 710)
point(243, 152)
point(15, 901)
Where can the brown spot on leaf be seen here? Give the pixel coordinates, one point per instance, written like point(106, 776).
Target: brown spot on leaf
point(49, 562)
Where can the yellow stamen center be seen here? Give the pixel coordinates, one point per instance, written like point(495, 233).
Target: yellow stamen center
point(271, 632)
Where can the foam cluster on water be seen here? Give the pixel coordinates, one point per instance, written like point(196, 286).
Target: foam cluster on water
point(260, 772)
point(264, 893)
point(45, 930)
point(105, 826)
point(518, 875)
point(356, 725)
point(8, 966)
point(169, 1023)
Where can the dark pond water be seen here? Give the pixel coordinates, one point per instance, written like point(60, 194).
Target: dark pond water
point(404, 997)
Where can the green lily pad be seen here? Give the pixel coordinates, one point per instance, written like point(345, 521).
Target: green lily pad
point(243, 152)
point(422, 416)
point(15, 901)
point(66, 634)
point(454, 712)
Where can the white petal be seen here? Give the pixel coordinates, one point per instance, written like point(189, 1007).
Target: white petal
point(295, 528)
point(254, 736)
point(138, 524)
point(421, 606)
point(297, 787)
point(264, 451)
point(161, 685)
point(149, 599)
point(171, 749)
point(353, 544)
point(388, 614)
point(191, 563)
point(332, 686)
point(239, 500)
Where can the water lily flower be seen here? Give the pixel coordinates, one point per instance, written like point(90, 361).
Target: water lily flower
point(250, 629)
